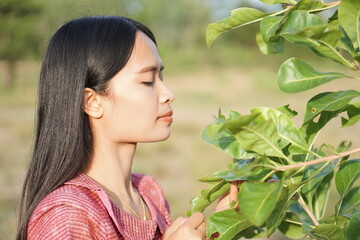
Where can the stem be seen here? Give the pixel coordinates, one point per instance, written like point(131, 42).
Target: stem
point(267, 175)
point(319, 160)
point(293, 222)
point(307, 210)
point(357, 31)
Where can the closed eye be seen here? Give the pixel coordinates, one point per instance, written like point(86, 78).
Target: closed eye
point(148, 83)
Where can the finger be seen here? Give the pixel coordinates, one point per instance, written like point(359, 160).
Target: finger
point(176, 224)
point(202, 229)
point(234, 190)
point(195, 220)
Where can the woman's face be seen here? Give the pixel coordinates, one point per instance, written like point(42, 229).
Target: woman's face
point(137, 108)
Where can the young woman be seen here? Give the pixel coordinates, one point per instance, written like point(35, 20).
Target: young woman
point(100, 93)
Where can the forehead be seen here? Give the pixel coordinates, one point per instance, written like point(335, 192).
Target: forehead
point(144, 54)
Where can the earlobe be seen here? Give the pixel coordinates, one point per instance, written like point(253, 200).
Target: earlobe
point(92, 103)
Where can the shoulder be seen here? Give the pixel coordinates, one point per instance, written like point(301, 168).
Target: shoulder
point(67, 212)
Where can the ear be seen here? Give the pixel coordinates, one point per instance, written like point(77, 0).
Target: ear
point(92, 103)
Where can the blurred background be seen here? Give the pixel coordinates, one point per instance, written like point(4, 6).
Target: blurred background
point(233, 74)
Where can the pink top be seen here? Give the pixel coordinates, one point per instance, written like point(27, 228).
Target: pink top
point(80, 209)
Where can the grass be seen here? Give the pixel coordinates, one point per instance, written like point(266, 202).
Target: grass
point(178, 162)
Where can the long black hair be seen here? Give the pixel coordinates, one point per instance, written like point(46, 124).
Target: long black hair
point(85, 52)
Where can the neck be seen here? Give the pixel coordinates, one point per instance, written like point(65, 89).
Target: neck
point(110, 166)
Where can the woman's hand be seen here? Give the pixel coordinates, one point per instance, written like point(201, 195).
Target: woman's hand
point(225, 201)
point(192, 228)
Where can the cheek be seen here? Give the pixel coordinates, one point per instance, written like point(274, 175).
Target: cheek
point(132, 119)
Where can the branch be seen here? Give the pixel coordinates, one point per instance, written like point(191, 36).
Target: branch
point(319, 160)
point(307, 210)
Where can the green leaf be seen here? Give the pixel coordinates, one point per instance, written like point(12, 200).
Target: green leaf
point(262, 138)
point(328, 101)
point(287, 111)
point(352, 230)
point(310, 5)
point(268, 27)
point(348, 173)
point(274, 46)
point(223, 139)
point(328, 49)
point(297, 39)
point(227, 223)
point(282, 206)
point(350, 201)
point(239, 17)
point(298, 21)
point(296, 75)
point(310, 128)
point(317, 184)
point(204, 199)
point(242, 169)
point(271, 2)
point(329, 231)
point(285, 128)
point(258, 200)
point(353, 112)
point(291, 226)
point(321, 196)
point(349, 12)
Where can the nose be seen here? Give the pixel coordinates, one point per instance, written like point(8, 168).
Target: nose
point(166, 95)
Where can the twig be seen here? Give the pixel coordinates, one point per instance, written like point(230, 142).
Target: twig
point(307, 210)
point(319, 160)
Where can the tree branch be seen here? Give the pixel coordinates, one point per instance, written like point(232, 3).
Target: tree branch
point(319, 160)
point(307, 210)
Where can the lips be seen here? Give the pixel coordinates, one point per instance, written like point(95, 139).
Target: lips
point(167, 117)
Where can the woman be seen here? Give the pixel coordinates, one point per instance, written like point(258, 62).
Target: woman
point(100, 93)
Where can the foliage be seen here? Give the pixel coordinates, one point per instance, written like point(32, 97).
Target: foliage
point(287, 178)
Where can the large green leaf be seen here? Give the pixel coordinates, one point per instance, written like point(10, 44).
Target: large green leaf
point(262, 138)
point(350, 201)
point(298, 21)
point(348, 173)
point(296, 75)
point(329, 231)
point(353, 112)
point(258, 200)
point(328, 101)
point(227, 223)
point(349, 12)
point(352, 230)
point(285, 128)
point(223, 139)
point(239, 17)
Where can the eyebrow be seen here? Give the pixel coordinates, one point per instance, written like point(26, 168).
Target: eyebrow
point(150, 69)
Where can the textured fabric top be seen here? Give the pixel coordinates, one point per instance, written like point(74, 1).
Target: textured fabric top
point(80, 209)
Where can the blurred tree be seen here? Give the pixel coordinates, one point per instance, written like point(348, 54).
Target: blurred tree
point(19, 33)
